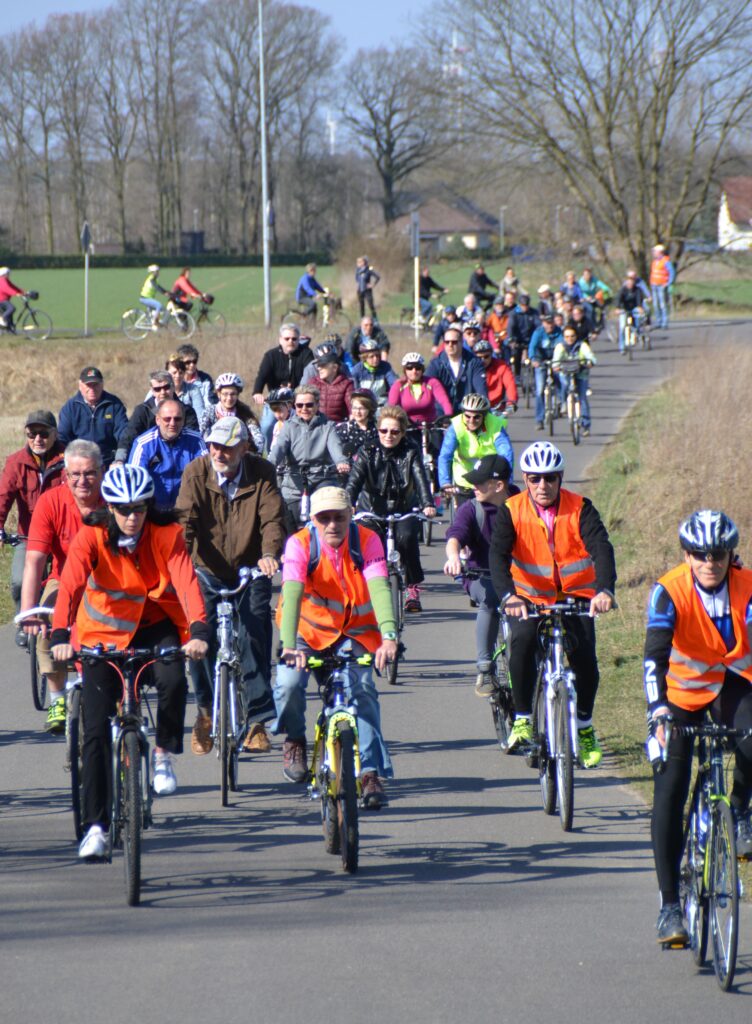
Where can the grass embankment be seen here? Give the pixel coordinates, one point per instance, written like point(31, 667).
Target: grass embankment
point(680, 449)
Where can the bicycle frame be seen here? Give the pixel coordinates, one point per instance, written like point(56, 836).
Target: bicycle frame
point(559, 682)
point(335, 711)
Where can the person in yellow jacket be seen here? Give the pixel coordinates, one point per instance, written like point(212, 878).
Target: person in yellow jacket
point(549, 543)
point(128, 581)
point(334, 593)
point(697, 659)
point(150, 289)
point(471, 435)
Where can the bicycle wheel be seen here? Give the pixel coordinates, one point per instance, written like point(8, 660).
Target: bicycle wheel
point(134, 324)
point(549, 414)
point(502, 705)
point(181, 325)
point(223, 747)
point(723, 896)
point(339, 321)
point(693, 899)
point(629, 340)
point(645, 338)
point(233, 741)
point(574, 418)
point(564, 760)
point(212, 322)
point(133, 810)
point(392, 667)
point(38, 679)
point(546, 763)
point(294, 316)
point(347, 798)
point(35, 325)
point(74, 747)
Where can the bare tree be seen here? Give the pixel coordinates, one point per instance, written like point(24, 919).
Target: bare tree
point(15, 126)
point(42, 101)
point(633, 104)
point(391, 112)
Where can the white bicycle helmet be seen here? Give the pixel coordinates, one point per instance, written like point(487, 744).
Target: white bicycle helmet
point(153, 268)
point(475, 403)
point(542, 457)
point(126, 485)
point(4, 271)
point(368, 345)
point(228, 380)
point(413, 358)
point(708, 530)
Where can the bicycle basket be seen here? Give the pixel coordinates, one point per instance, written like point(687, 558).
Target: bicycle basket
point(208, 299)
point(32, 295)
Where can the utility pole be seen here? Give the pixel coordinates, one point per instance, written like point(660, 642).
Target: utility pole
point(264, 180)
point(502, 211)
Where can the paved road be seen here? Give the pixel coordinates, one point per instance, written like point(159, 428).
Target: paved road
point(470, 903)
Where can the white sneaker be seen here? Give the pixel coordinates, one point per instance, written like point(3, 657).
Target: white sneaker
point(94, 844)
point(164, 782)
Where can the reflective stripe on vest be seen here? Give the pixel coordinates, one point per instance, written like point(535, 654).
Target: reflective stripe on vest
point(699, 660)
point(121, 625)
point(471, 447)
point(118, 595)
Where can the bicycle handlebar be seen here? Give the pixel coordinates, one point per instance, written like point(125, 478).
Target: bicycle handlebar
point(101, 653)
point(394, 517)
point(32, 613)
point(572, 606)
point(247, 575)
point(12, 539)
point(333, 661)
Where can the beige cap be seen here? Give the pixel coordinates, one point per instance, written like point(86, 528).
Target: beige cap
point(329, 499)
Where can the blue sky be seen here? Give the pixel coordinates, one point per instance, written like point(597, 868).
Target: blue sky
point(361, 25)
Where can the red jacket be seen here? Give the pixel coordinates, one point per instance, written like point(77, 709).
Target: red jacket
point(23, 480)
point(8, 289)
point(500, 383)
point(335, 397)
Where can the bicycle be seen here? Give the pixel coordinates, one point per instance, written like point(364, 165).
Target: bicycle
point(332, 315)
point(634, 335)
point(335, 759)
point(30, 323)
point(571, 367)
point(38, 679)
point(527, 380)
point(229, 709)
point(430, 467)
point(209, 320)
point(555, 747)
point(425, 323)
point(709, 886)
point(137, 322)
point(550, 399)
point(397, 583)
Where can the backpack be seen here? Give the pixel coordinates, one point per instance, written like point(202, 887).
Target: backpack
point(314, 552)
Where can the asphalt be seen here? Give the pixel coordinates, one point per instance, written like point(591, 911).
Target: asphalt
point(470, 904)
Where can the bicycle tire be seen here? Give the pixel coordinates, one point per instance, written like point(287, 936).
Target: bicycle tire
point(340, 322)
point(564, 761)
point(329, 817)
point(133, 812)
point(181, 325)
point(240, 717)
point(347, 798)
point(35, 324)
point(294, 316)
point(548, 410)
point(211, 322)
point(646, 342)
point(691, 895)
point(574, 421)
point(38, 679)
point(723, 897)
point(546, 764)
point(223, 747)
point(74, 746)
point(134, 324)
point(502, 704)
point(392, 667)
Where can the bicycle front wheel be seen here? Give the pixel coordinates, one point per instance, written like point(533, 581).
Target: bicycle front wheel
point(35, 325)
point(502, 704)
point(74, 748)
point(38, 679)
point(133, 816)
point(564, 761)
point(224, 723)
point(392, 667)
point(212, 322)
point(723, 905)
point(691, 895)
point(135, 324)
point(181, 325)
point(574, 420)
point(549, 414)
point(347, 798)
point(546, 762)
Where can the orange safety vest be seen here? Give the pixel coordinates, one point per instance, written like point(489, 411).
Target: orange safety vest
point(699, 659)
point(334, 607)
point(534, 564)
point(659, 274)
point(118, 588)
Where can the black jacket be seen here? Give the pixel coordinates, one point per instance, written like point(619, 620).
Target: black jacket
point(355, 336)
point(389, 480)
point(278, 370)
point(143, 418)
point(521, 325)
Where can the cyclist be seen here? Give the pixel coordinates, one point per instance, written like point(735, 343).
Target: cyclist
point(334, 385)
point(366, 280)
point(183, 290)
point(144, 414)
point(280, 401)
point(421, 397)
point(540, 352)
point(582, 322)
point(281, 367)
point(630, 301)
point(344, 362)
point(8, 291)
point(228, 388)
point(28, 473)
point(449, 318)
point(570, 289)
point(367, 330)
point(373, 373)
point(546, 302)
point(595, 293)
point(389, 477)
point(662, 276)
point(472, 529)
point(571, 349)
point(457, 369)
point(697, 659)
point(308, 453)
point(470, 310)
point(427, 285)
point(335, 594)
point(166, 450)
point(478, 285)
point(188, 393)
point(522, 322)
point(549, 543)
point(307, 289)
point(190, 356)
point(471, 435)
point(148, 297)
point(360, 428)
point(56, 520)
point(500, 383)
point(128, 581)
point(233, 516)
point(93, 415)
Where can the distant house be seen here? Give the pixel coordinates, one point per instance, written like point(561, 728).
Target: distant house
point(735, 214)
point(444, 222)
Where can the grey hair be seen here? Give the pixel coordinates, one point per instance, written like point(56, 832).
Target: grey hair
point(81, 449)
point(308, 389)
point(290, 327)
point(161, 377)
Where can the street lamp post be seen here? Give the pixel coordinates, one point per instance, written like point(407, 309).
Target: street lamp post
point(502, 211)
point(264, 181)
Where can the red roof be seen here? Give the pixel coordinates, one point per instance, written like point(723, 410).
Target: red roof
point(437, 218)
point(739, 197)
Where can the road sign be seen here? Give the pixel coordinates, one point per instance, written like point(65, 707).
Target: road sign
point(85, 237)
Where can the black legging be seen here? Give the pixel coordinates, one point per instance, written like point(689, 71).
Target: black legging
point(732, 706)
point(102, 690)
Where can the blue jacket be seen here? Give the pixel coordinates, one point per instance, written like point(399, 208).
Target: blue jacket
point(378, 382)
point(542, 345)
point(470, 379)
point(103, 424)
point(166, 460)
point(307, 288)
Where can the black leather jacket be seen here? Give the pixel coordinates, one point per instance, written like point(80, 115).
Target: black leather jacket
point(385, 480)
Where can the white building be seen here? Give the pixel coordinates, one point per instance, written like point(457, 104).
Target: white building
point(735, 214)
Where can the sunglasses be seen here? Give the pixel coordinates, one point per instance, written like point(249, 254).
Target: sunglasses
point(31, 434)
point(536, 478)
point(305, 405)
point(331, 517)
point(413, 366)
point(130, 510)
point(709, 556)
point(171, 419)
point(190, 362)
point(387, 430)
point(161, 387)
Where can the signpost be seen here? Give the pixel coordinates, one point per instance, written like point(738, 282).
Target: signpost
point(86, 247)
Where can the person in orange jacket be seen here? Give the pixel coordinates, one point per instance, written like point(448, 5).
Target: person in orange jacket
point(500, 382)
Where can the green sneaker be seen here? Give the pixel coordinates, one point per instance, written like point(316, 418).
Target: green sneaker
point(590, 749)
point(55, 723)
point(521, 734)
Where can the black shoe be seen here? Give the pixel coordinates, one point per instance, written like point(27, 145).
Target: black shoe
point(670, 926)
point(539, 426)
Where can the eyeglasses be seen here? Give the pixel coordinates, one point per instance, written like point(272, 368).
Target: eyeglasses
point(171, 419)
point(31, 434)
point(548, 478)
point(709, 556)
point(89, 474)
point(331, 517)
point(190, 362)
point(161, 387)
point(130, 510)
point(305, 405)
point(451, 341)
point(389, 431)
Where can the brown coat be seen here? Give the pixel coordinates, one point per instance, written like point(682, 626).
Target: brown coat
point(223, 536)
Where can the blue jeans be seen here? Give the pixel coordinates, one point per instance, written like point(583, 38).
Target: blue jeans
point(154, 304)
point(636, 321)
point(581, 383)
point(426, 308)
point(289, 697)
point(660, 304)
point(540, 383)
point(268, 420)
point(254, 632)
